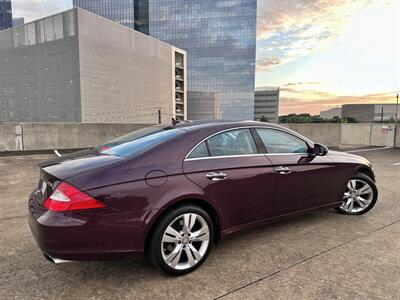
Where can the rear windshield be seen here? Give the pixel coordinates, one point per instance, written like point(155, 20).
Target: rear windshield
point(139, 141)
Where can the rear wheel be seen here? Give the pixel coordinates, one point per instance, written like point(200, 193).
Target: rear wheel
point(360, 195)
point(181, 240)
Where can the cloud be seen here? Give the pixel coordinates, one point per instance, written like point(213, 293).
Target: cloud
point(302, 83)
point(291, 29)
point(305, 18)
point(266, 63)
point(299, 98)
point(36, 9)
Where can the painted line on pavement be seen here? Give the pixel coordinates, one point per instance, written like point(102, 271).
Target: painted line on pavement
point(372, 149)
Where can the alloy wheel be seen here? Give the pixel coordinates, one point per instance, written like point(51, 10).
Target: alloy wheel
point(357, 197)
point(185, 241)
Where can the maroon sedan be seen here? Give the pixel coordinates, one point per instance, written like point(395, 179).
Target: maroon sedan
point(171, 192)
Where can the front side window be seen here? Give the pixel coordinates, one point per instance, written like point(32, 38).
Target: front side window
point(277, 141)
point(234, 142)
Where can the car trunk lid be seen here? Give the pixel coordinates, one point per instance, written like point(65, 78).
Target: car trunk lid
point(70, 165)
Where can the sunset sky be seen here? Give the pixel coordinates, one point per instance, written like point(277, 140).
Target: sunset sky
point(326, 53)
point(322, 53)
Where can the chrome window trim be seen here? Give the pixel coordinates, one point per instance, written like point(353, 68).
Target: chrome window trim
point(242, 155)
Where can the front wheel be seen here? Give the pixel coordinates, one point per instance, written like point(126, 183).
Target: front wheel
point(360, 195)
point(181, 240)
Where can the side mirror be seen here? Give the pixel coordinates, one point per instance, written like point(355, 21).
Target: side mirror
point(319, 150)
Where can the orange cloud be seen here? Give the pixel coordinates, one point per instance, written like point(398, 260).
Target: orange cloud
point(297, 100)
point(296, 28)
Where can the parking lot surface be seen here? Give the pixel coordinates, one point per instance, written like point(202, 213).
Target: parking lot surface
point(321, 255)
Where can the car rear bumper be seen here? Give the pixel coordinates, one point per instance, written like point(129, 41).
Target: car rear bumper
point(77, 236)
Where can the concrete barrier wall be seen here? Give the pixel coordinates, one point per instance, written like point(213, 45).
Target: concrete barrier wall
point(382, 135)
point(323, 133)
point(10, 140)
point(374, 134)
point(49, 136)
point(355, 134)
point(349, 135)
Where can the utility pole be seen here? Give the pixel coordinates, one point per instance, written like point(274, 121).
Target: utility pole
point(159, 116)
point(397, 107)
point(396, 124)
point(382, 114)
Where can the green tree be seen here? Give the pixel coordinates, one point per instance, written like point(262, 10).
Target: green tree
point(308, 118)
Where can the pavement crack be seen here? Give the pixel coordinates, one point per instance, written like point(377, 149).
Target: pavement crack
point(306, 259)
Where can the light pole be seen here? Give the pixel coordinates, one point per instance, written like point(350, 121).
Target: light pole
point(396, 121)
point(397, 106)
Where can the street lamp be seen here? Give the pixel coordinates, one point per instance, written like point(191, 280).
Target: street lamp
point(396, 121)
point(397, 106)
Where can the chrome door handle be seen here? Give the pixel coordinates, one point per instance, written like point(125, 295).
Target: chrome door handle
point(283, 170)
point(216, 176)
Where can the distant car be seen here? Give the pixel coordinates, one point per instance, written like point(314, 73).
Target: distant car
point(171, 192)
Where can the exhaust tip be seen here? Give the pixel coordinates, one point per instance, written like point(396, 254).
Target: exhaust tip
point(55, 260)
point(49, 258)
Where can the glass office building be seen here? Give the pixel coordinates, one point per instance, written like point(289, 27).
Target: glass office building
point(131, 13)
point(120, 11)
point(220, 39)
point(5, 14)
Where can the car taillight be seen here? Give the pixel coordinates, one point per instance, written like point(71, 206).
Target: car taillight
point(67, 197)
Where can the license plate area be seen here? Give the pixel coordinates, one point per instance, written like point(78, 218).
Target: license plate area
point(46, 186)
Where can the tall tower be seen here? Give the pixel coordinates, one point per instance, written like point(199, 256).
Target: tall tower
point(120, 11)
point(219, 37)
point(5, 14)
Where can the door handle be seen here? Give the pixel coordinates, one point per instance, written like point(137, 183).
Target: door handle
point(216, 176)
point(283, 170)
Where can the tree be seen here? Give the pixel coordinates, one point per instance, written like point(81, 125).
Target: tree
point(263, 119)
point(307, 118)
point(348, 120)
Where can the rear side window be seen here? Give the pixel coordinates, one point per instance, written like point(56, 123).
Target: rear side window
point(277, 141)
point(234, 142)
point(139, 141)
point(200, 151)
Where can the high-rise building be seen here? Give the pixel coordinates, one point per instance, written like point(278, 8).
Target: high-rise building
point(219, 37)
point(120, 11)
point(18, 21)
point(5, 14)
point(266, 104)
point(78, 67)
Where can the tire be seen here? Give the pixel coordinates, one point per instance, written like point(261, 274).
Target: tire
point(358, 199)
point(179, 250)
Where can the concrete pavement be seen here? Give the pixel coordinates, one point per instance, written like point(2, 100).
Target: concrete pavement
point(319, 255)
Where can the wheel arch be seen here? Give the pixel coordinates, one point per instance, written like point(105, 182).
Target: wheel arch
point(365, 170)
point(209, 208)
